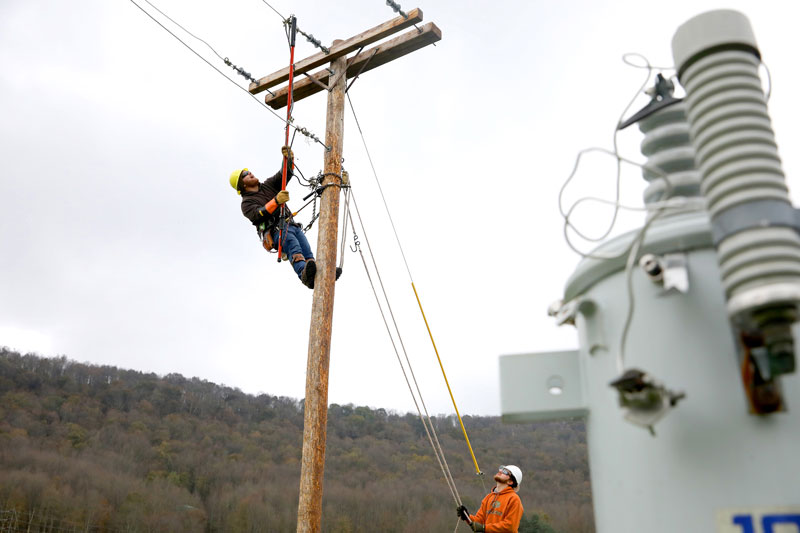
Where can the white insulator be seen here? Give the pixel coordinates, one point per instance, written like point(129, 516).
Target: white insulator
point(668, 149)
point(755, 258)
point(737, 156)
point(729, 126)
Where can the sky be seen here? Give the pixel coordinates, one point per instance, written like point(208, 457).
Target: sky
point(122, 243)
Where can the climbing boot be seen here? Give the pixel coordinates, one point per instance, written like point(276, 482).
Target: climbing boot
point(308, 274)
point(338, 273)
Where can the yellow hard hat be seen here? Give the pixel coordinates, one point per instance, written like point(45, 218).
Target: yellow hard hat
point(235, 179)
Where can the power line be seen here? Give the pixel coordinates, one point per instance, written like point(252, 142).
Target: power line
point(275, 10)
point(240, 70)
point(184, 29)
point(301, 130)
point(309, 37)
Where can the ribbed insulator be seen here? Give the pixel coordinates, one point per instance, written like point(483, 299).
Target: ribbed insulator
point(736, 153)
point(731, 131)
point(668, 148)
point(757, 258)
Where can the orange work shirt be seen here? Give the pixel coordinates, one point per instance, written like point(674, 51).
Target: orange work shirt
point(500, 512)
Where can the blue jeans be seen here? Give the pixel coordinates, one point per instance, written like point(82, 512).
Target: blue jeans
point(294, 242)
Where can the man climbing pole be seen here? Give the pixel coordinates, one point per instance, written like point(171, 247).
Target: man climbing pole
point(261, 204)
point(501, 509)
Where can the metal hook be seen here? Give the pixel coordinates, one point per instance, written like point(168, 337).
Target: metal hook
point(356, 242)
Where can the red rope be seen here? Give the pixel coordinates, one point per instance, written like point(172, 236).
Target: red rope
point(286, 143)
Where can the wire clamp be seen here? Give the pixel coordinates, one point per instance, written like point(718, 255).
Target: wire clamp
point(356, 243)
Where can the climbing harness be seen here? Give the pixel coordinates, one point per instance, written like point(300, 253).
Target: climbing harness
point(292, 34)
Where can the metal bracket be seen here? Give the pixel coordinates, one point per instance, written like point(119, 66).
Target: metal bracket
point(676, 272)
point(567, 313)
point(317, 82)
point(644, 400)
point(332, 83)
point(670, 270)
point(755, 214)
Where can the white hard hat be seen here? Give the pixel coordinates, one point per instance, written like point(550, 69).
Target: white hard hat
point(516, 472)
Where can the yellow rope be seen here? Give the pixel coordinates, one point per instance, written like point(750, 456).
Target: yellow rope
point(477, 470)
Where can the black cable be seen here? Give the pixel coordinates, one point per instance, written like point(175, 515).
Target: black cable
point(302, 178)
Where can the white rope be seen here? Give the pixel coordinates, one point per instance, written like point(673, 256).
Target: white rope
point(431, 433)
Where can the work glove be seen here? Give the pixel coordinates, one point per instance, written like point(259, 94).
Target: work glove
point(263, 213)
point(282, 197)
point(287, 152)
point(462, 513)
point(477, 526)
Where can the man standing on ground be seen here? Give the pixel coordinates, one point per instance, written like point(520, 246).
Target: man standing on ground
point(501, 509)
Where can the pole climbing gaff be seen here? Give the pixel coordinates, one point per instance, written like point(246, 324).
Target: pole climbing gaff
point(292, 35)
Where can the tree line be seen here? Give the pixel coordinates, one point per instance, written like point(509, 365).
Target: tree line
point(102, 449)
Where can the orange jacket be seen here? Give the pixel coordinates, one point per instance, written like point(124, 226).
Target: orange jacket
point(500, 512)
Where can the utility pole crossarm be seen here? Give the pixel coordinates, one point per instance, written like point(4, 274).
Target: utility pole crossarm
point(367, 60)
point(338, 50)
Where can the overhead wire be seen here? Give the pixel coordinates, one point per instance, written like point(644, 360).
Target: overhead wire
point(275, 10)
point(416, 294)
point(184, 29)
point(309, 37)
point(301, 130)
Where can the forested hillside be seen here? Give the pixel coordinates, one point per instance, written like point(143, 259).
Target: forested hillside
point(97, 448)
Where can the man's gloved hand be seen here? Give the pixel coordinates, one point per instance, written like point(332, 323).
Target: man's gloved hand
point(477, 526)
point(462, 513)
point(287, 152)
point(262, 212)
point(282, 197)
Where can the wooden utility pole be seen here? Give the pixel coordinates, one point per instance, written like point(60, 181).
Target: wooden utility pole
point(309, 511)
point(333, 80)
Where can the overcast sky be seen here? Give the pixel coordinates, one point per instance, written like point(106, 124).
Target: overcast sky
point(123, 244)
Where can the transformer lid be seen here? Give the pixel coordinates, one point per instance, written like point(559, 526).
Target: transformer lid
point(677, 233)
